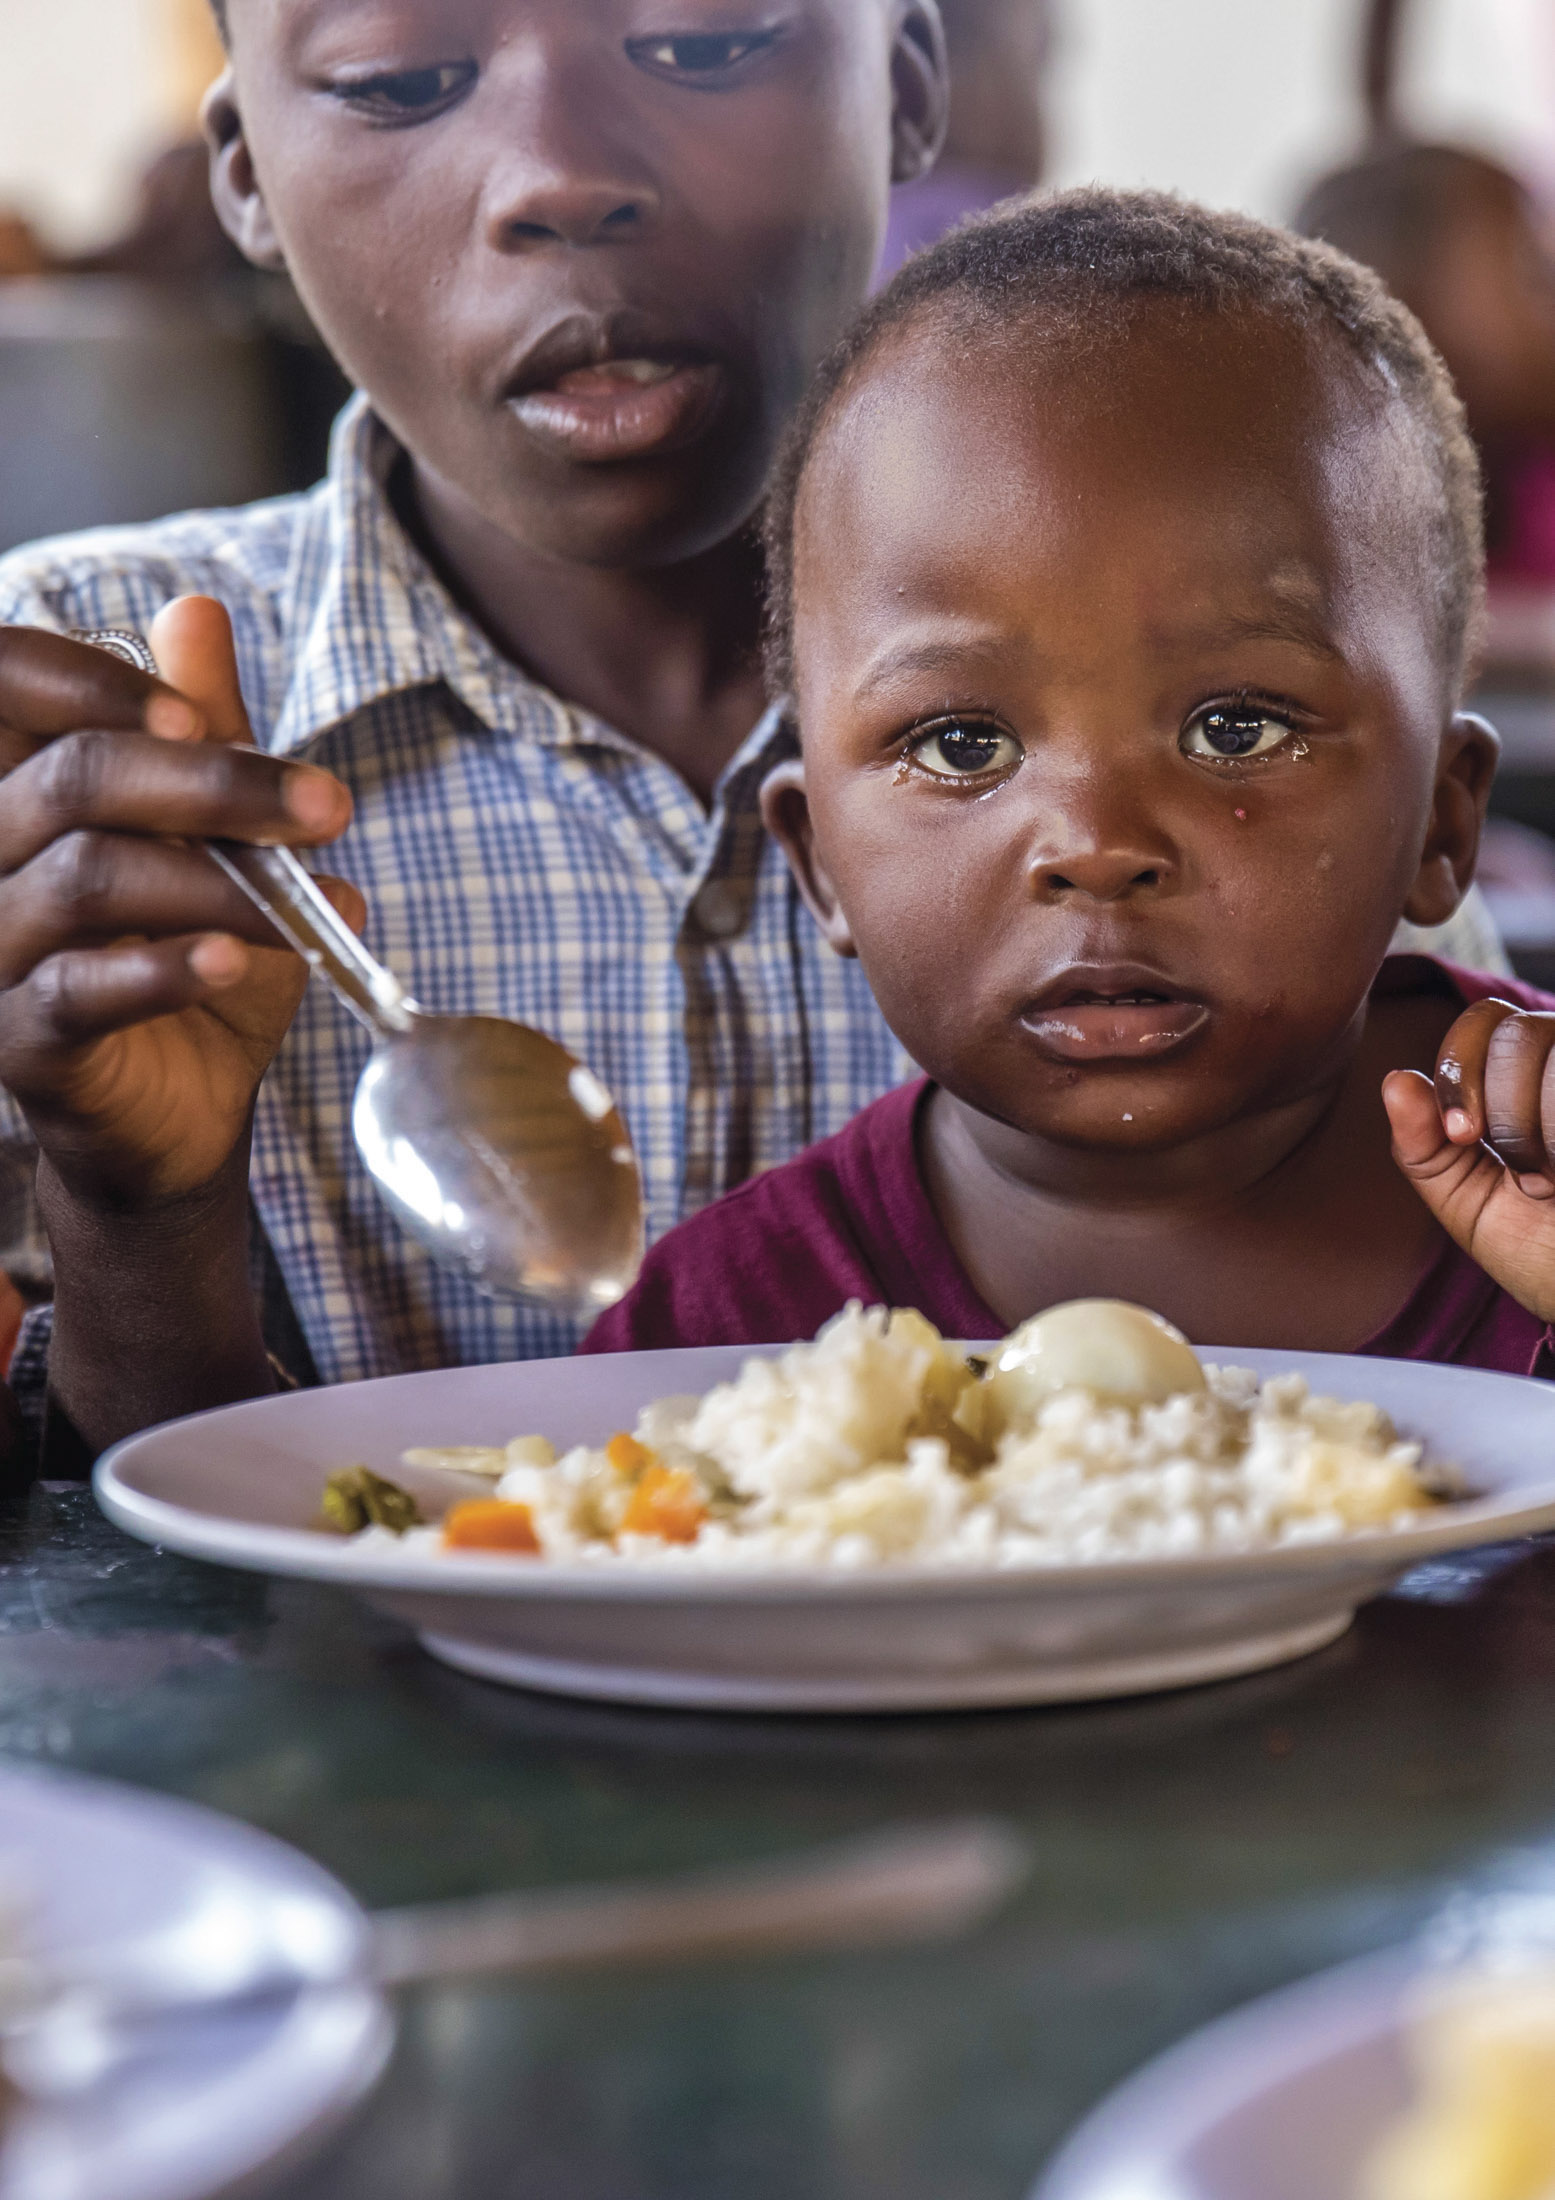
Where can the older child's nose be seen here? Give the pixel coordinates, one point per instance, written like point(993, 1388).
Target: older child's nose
point(567, 168)
point(550, 204)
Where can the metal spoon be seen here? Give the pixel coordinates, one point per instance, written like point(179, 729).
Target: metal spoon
point(65, 2031)
point(490, 1143)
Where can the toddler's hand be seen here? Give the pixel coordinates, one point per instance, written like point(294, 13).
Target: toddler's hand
point(1479, 1147)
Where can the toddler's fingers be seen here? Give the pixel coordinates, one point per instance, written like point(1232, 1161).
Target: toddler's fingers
point(1456, 1182)
point(1519, 1088)
point(191, 639)
point(1460, 1070)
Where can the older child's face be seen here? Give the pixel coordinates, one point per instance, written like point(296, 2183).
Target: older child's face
point(1126, 734)
point(582, 253)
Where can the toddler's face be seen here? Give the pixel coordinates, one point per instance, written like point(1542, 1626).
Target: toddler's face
point(1126, 734)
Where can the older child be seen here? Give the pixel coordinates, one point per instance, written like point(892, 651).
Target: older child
point(1127, 563)
point(581, 258)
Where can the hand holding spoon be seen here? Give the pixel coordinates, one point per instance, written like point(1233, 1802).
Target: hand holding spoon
point(490, 1143)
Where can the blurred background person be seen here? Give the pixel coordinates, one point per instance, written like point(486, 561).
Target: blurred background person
point(1467, 244)
point(999, 52)
point(149, 367)
point(1469, 248)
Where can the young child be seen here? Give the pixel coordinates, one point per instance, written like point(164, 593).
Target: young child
point(580, 259)
point(1127, 562)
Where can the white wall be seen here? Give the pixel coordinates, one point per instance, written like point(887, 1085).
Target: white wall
point(1235, 101)
point(85, 95)
point(1238, 102)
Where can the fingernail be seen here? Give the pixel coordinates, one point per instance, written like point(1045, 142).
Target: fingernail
point(218, 959)
point(170, 718)
point(1536, 1187)
point(313, 798)
point(1460, 1124)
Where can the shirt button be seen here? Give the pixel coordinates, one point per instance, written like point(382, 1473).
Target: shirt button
point(719, 910)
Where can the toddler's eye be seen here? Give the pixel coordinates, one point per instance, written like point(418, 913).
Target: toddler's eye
point(1232, 730)
point(407, 95)
point(704, 54)
point(965, 748)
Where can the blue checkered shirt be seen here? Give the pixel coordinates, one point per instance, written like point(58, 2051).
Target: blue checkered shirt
point(519, 858)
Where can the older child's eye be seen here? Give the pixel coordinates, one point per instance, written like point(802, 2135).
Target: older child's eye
point(1227, 731)
point(965, 748)
point(406, 95)
point(690, 55)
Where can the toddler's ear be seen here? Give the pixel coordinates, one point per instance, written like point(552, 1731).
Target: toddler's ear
point(239, 202)
point(920, 86)
point(785, 810)
point(1470, 753)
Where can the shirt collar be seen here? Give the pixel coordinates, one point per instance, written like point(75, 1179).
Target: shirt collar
point(371, 619)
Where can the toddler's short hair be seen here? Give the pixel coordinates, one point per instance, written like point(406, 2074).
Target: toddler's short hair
point(1078, 256)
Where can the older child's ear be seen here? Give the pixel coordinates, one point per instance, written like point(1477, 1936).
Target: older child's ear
point(1470, 753)
point(239, 202)
point(920, 83)
point(785, 811)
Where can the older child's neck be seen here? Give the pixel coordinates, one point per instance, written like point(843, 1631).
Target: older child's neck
point(668, 656)
point(1289, 1227)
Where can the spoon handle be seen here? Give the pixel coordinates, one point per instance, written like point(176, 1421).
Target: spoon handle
point(277, 883)
point(903, 1884)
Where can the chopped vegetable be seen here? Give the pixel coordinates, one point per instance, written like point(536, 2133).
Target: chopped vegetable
point(628, 1456)
point(668, 1503)
point(489, 1524)
point(356, 1498)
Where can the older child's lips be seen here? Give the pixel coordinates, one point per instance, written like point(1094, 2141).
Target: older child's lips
point(622, 408)
point(1122, 1030)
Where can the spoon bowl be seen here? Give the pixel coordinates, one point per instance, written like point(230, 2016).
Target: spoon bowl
point(505, 1156)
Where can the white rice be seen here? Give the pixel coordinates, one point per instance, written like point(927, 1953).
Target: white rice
point(847, 1454)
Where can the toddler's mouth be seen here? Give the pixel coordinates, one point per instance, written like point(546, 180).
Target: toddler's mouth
point(595, 410)
point(1111, 1017)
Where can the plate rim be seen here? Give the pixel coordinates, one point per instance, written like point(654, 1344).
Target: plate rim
point(368, 2039)
point(1129, 2143)
point(305, 1554)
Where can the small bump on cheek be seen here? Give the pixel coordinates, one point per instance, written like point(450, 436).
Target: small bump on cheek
point(1241, 816)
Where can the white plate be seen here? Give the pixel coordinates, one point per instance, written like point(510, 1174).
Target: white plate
point(215, 2102)
point(241, 1485)
point(1281, 2100)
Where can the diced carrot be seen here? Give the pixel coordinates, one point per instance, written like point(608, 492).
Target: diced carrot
point(666, 1503)
point(487, 1524)
point(628, 1456)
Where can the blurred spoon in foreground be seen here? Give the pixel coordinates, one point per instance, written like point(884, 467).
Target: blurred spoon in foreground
point(62, 2033)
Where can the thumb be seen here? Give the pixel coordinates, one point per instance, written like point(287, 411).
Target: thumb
point(1457, 1182)
point(191, 639)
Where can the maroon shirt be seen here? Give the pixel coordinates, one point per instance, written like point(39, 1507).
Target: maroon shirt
point(851, 1218)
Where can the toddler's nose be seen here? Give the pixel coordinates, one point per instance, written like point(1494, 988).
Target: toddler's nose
point(1100, 868)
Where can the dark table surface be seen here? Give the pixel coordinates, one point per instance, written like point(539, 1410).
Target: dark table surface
point(1190, 1851)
